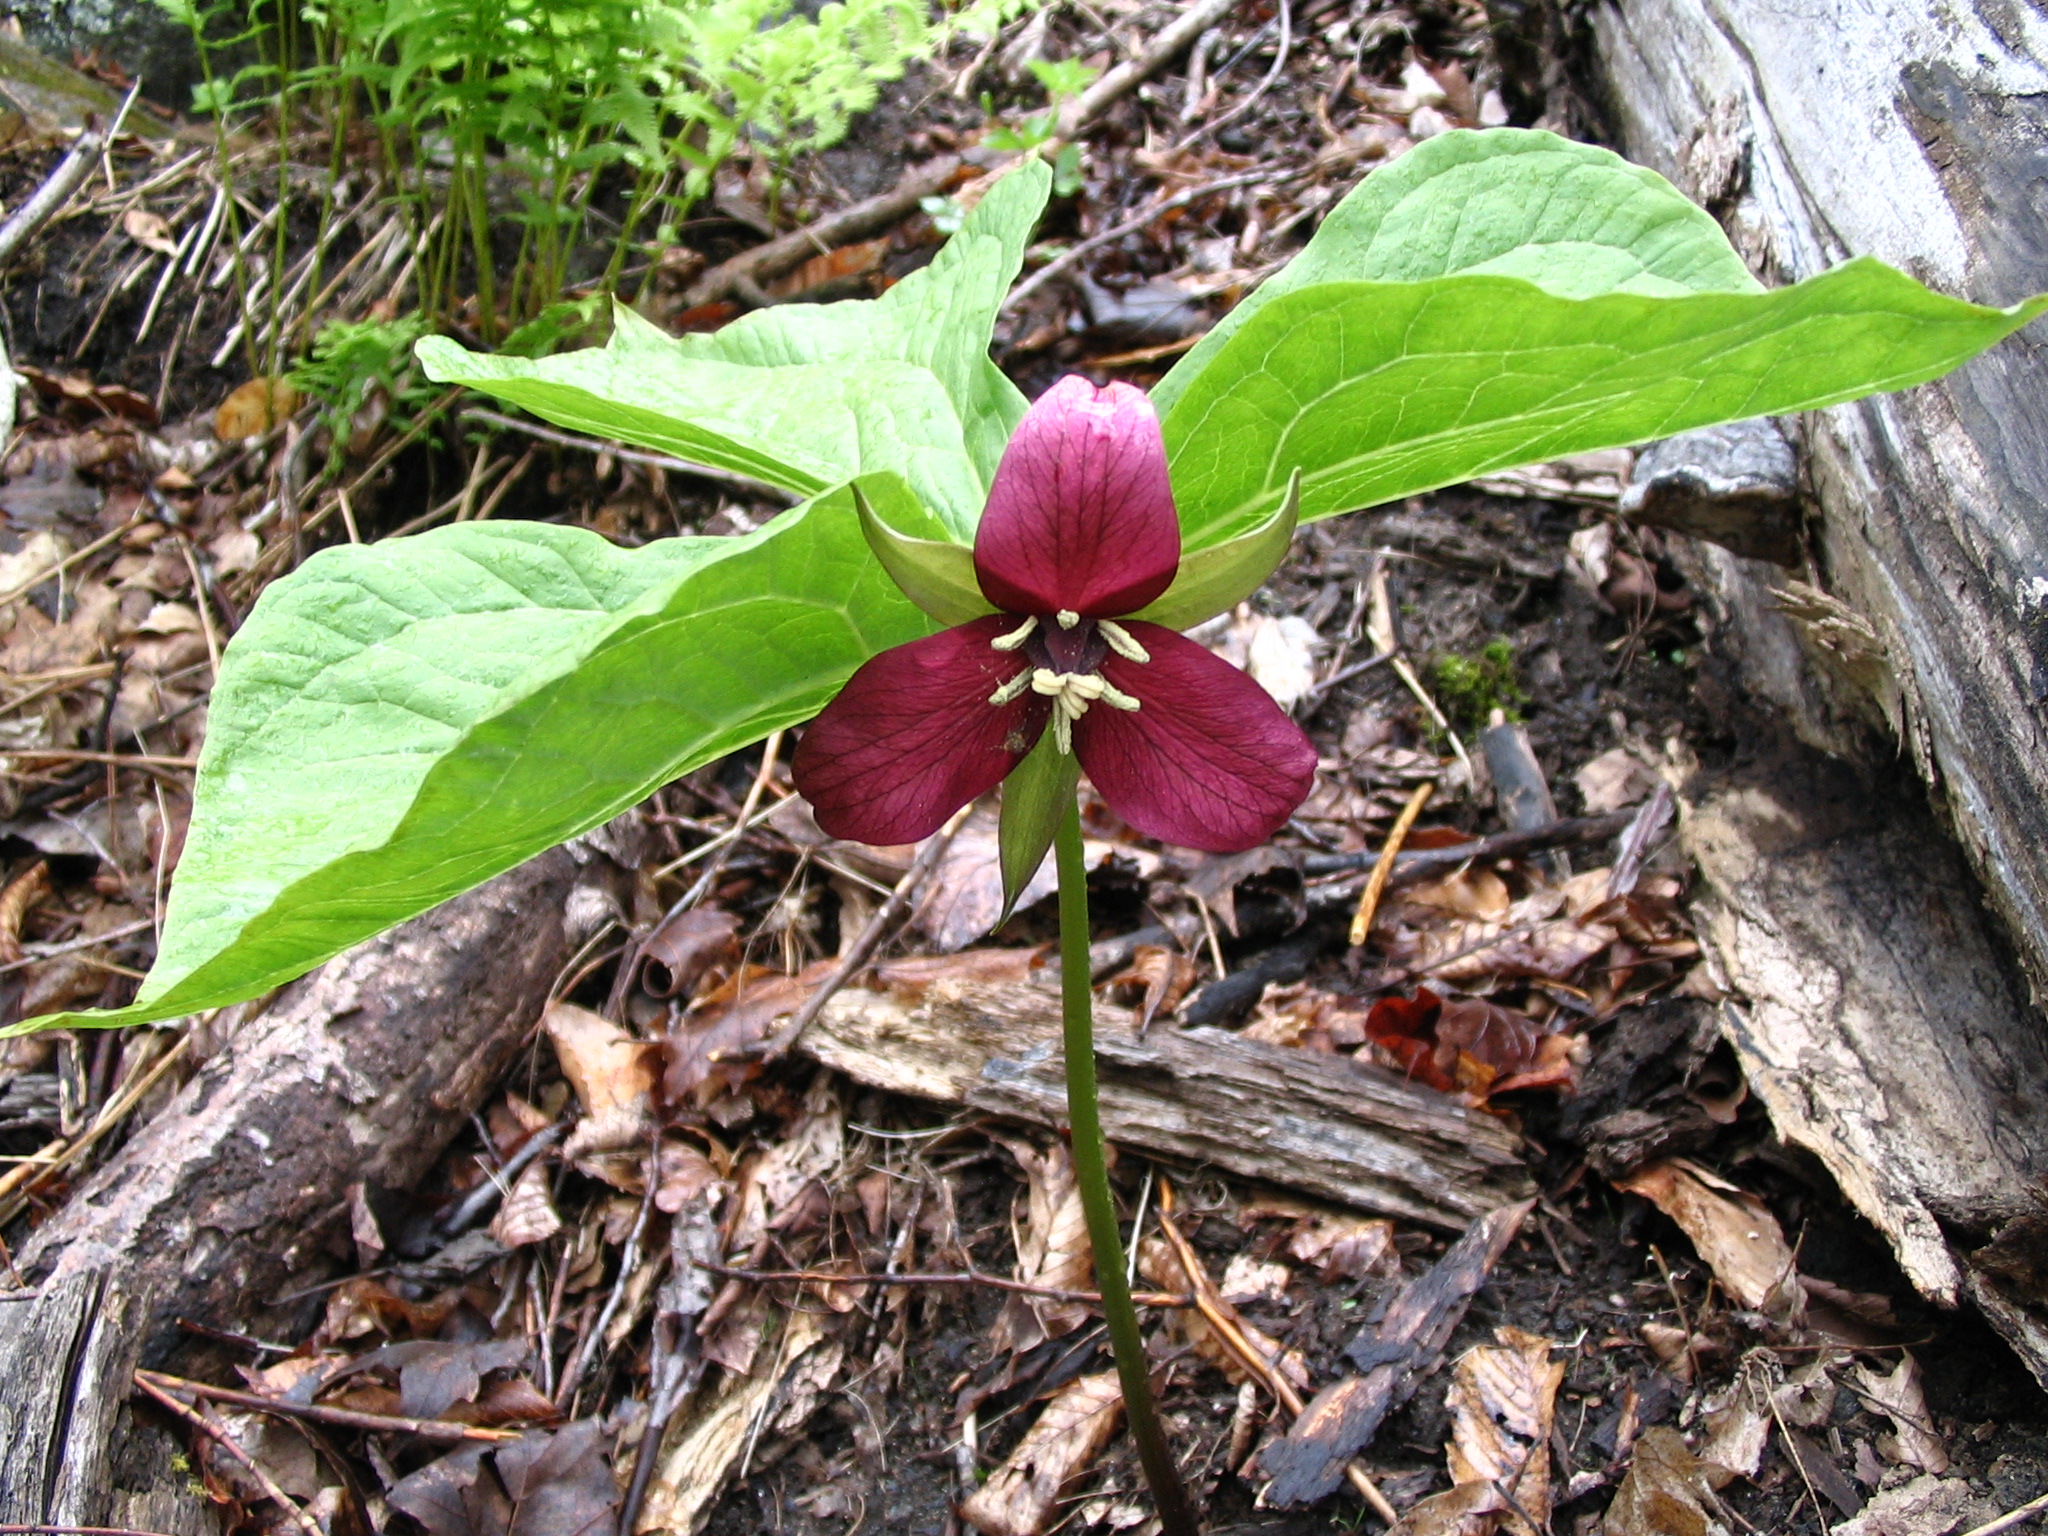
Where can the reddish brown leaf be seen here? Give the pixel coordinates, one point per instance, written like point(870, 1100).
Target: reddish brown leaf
point(678, 954)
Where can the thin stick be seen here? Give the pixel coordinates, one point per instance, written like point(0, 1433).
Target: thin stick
point(1073, 253)
point(1091, 1177)
point(85, 755)
point(1127, 76)
point(858, 953)
point(216, 1431)
point(1251, 100)
point(22, 589)
point(964, 1277)
point(1382, 871)
point(343, 1418)
point(2004, 1522)
point(55, 191)
point(1224, 1326)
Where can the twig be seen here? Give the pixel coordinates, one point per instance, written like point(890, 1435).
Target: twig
point(210, 1426)
point(1119, 82)
point(964, 1277)
point(858, 953)
point(785, 251)
point(742, 483)
point(1383, 867)
point(85, 755)
point(64, 1154)
point(341, 1418)
point(1232, 1338)
point(629, 1261)
point(480, 1199)
point(1421, 862)
point(2004, 1522)
point(126, 930)
point(76, 1530)
point(22, 589)
point(1251, 100)
point(1414, 685)
point(1073, 253)
point(55, 191)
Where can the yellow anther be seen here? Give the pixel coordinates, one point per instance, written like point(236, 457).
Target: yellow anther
point(1015, 637)
point(1068, 618)
point(1121, 641)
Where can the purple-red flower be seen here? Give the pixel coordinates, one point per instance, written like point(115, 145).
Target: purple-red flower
point(1079, 533)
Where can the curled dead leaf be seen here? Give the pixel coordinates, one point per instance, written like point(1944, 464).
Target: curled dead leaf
point(1664, 1493)
point(613, 1076)
point(1501, 1400)
point(1020, 1497)
point(528, 1212)
point(1732, 1230)
point(253, 408)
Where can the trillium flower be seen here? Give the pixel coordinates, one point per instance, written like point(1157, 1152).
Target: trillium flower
point(1064, 652)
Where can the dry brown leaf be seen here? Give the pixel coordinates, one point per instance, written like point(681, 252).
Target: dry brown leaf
point(613, 1075)
point(1470, 1509)
point(1664, 1492)
point(528, 1213)
point(253, 408)
point(963, 898)
point(1020, 1497)
point(1160, 1265)
point(1501, 1400)
point(1927, 1506)
point(676, 956)
point(148, 230)
point(1246, 1279)
point(1153, 983)
point(1053, 1250)
point(1738, 1419)
point(682, 1173)
point(1740, 1240)
point(1343, 1246)
point(1900, 1397)
point(1612, 780)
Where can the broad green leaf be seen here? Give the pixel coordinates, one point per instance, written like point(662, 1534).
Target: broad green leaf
point(397, 722)
point(1380, 390)
point(941, 317)
point(1506, 202)
point(807, 396)
point(805, 428)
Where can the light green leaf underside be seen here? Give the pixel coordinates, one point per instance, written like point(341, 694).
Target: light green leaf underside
point(1507, 202)
point(1376, 391)
point(807, 396)
point(398, 722)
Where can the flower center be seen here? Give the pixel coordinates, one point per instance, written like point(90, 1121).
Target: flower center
point(1065, 660)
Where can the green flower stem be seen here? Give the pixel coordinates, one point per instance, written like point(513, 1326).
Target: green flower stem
point(1091, 1174)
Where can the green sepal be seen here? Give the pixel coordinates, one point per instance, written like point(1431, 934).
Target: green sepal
point(1035, 796)
point(1215, 580)
point(935, 574)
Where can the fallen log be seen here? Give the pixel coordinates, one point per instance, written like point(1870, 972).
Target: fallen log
point(224, 1206)
point(1324, 1125)
point(1875, 1014)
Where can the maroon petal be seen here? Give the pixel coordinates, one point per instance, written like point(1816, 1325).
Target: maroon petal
point(1081, 514)
point(912, 736)
point(1207, 760)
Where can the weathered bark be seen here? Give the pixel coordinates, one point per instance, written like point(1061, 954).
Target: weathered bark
point(1330, 1127)
point(1918, 134)
point(1877, 1022)
point(237, 1192)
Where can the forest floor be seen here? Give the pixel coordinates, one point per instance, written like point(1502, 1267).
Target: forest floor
point(1688, 1329)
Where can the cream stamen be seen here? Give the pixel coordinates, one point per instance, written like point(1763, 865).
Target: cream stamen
point(1011, 690)
point(1015, 637)
point(1068, 618)
point(1121, 641)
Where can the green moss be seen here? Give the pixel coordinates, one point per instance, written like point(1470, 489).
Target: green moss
point(1470, 688)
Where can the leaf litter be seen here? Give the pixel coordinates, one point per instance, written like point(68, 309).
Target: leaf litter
point(145, 512)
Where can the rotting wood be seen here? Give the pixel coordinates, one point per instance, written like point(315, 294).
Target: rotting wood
point(1392, 1357)
point(1875, 1019)
point(362, 1071)
point(1323, 1125)
point(1918, 135)
point(1879, 1029)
